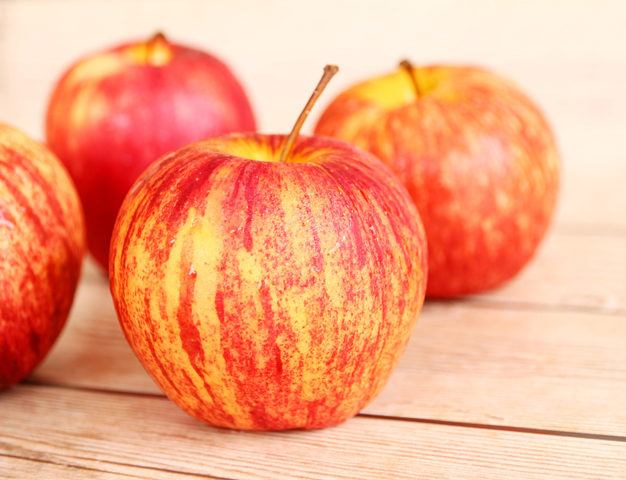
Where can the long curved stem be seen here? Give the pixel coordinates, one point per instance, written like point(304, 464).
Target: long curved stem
point(329, 71)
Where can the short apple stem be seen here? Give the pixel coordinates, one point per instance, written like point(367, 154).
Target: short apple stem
point(155, 48)
point(408, 67)
point(329, 71)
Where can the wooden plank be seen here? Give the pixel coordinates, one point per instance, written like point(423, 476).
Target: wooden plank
point(119, 432)
point(548, 370)
point(466, 363)
point(16, 468)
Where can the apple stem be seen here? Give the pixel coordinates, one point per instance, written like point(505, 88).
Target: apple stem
point(155, 46)
point(329, 71)
point(408, 67)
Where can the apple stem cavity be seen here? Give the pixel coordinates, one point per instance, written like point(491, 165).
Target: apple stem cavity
point(329, 72)
point(409, 69)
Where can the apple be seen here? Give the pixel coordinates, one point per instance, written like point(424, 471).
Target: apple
point(42, 242)
point(115, 112)
point(477, 157)
point(268, 282)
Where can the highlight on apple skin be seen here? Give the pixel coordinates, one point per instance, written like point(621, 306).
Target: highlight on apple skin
point(115, 112)
point(268, 295)
point(42, 242)
point(477, 157)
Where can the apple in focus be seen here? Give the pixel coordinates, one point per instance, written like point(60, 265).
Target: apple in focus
point(42, 242)
point(268, 294)
point(477, 156)
point(115, 112)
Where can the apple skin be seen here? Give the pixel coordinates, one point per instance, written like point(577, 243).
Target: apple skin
point(477, 157)
point(268, 295)
point(115, 112)
point(42, 243)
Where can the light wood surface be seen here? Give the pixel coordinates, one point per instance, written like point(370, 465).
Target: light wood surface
point(92, 431)
point(527, 381)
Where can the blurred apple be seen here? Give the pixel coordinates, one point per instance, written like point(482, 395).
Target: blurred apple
point(269, 282)
point(115, 112)
point(42, 242)
point(477, 157)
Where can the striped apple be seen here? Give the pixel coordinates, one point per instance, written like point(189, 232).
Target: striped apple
point(477, 156)
point(42, 241)
point(268, 294)
point(115, 112)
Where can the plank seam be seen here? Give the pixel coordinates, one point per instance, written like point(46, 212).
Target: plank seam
point(484, 426)
point(504, 428)
point(108, 391)
point(64, 464)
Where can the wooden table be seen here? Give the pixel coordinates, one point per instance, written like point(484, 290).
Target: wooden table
point(528, 381)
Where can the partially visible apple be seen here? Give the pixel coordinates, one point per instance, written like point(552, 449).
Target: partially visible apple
point(269, 282)
point(42, 242)
point(115, 112)
point(477, 157)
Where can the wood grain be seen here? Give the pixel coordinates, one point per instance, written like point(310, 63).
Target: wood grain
point(466, 362)
point(99, 430)
point(18, 468)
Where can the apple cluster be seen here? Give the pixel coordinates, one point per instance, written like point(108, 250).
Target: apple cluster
point(265, 282)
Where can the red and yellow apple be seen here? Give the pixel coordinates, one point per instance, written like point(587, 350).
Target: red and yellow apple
point(477, 157)
point(42, 242)
point(270, 294)
point(115, 112)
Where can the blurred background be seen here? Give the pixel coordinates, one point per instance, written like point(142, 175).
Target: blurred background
point(568, 55)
